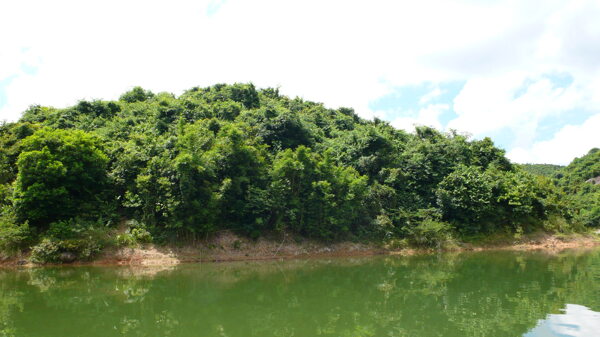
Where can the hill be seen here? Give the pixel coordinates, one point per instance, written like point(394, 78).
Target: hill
point(578, 181)
point(156, 167)
point(546, 170)
point(581, 169)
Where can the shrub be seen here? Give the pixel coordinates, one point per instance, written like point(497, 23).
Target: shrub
point(125, 240)
point(430, 233)
point(384, 226)
point(141, 235)
point(136, 234)
point(558, 224)
point(424, 228)
point(67, 229)
point(60, 251)
point(46, 251)
point(13, 237)
point(69, 240)
point(396, 243)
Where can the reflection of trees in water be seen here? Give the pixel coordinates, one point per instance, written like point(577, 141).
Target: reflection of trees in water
point(9, 302)
point(480, 294)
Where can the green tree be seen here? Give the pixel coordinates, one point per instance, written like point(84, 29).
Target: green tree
point(314, 197)
point(60, 174)
point(233, 157)
point(137, 94)
point(240, 171)
point(465, 198)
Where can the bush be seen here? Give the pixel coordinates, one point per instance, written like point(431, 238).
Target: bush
point(13, 237)
point(590, 217)
point(46, 251)
point(64, 251)
point(396, 243)
point(423, 228)
point(384, 227)
point(136, 234)
point(141, 235)
point(62, 230)
point(558, 224)
point(430, 233)
point(588, 203)
point(67, 241)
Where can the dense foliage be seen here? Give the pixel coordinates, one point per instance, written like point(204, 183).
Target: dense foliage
point(60, 174)
point(254, 161)
point(546, 170)
point(580, 181)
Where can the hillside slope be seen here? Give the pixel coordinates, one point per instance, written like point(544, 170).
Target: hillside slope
point(579, 181)
point(231, 157)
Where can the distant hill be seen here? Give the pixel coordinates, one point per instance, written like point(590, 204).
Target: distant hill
point(546, 170)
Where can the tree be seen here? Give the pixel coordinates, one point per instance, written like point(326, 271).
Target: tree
point(60, 173)
point(233, 157)
point(465, 197)
point(137, 94)
point(315, 197)
point(239, 169)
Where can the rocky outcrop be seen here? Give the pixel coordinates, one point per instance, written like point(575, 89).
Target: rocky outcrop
point(595, 181)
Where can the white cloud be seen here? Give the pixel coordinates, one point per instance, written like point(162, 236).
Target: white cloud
point(504, 102)
point(571, 141)
point(433, 94)
point(428, 116)
point(343, 53)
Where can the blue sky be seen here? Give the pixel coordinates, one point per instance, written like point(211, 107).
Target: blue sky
point(403, 104)
point(526, 75)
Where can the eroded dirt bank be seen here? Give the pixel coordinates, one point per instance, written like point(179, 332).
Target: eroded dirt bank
point(229, 247)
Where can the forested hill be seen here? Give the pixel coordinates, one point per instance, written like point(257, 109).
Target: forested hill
point(546, 170)
point(580, 169)
point(254, 161)
point(579, 180)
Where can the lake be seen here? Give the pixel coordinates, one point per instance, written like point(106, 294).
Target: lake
point(454, 294)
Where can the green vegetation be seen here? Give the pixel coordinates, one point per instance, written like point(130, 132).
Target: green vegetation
point(546, 170)
point(575, 180)
point(578, 182)
point(155, 167)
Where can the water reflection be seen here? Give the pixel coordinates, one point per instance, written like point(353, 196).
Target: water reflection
point(577, 321)
point(475, 294)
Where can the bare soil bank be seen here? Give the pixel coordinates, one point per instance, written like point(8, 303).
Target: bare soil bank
point(229, 247)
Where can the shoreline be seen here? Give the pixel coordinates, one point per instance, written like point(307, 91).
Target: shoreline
point(229, 248)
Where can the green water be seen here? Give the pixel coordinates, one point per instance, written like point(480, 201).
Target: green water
point(474, 294)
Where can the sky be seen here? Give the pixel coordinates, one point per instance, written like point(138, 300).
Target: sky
point(576, 321)
point(524, 73)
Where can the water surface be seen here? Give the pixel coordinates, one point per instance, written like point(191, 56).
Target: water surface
point(469, 294)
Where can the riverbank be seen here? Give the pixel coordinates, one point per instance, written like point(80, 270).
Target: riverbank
point(229, 247)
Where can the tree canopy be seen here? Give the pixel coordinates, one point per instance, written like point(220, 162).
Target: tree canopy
point(251, 160)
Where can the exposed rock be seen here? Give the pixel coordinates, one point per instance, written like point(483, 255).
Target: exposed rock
point(595, 181)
